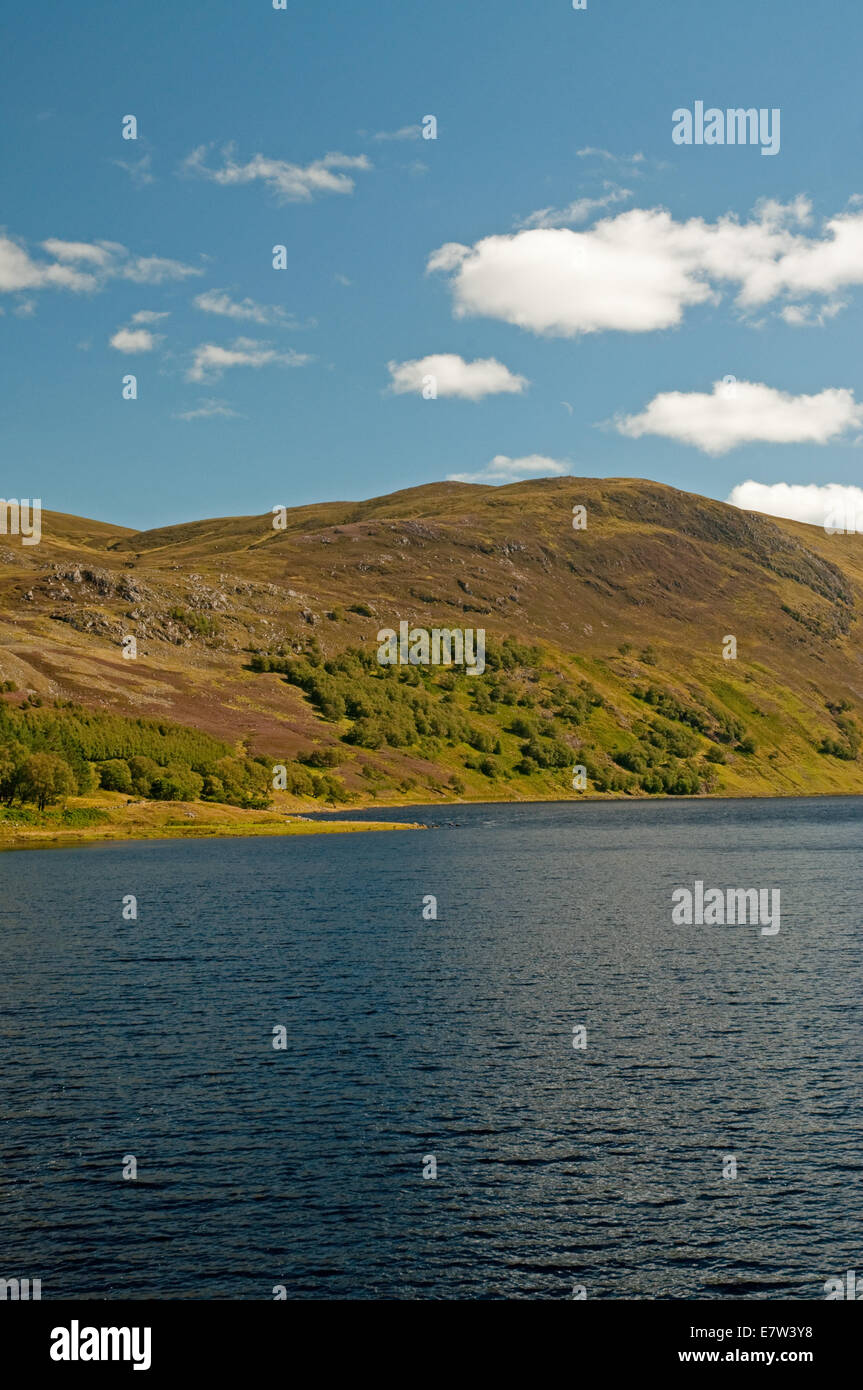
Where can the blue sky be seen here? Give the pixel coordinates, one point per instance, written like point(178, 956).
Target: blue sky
point(600, 286)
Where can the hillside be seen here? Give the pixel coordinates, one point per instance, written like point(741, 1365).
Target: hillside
point(605, 644)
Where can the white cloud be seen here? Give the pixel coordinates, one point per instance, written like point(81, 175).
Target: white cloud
point(578, 211)
point(150, 315)
point(503, 469)
point(138, 171)
point(742, 413)
point(208, 409)
point(806, 316)
point(405, 132)
point(210, 361)
point(639, 271)
point(93, 254)
point(448, 257)
point(619, 275)
point(454, 377)
point(155, 270)
point(220, 302)
point(101, 261)
point(18, 271)
point(134, 340)
point(290, 182)
point(828, 504)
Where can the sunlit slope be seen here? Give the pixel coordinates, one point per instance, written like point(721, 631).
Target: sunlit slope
point(648, 592)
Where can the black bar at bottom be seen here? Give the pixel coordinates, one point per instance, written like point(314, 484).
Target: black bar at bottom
point(164, 1339)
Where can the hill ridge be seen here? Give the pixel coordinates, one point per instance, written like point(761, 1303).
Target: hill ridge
point(655, 570)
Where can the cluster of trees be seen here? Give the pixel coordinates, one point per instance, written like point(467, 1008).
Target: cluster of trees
point(715, 724)
point(429, 708)
point(542, 747)
point(50, 753)
point(662, 760)
point(47, 777)
point(300, 781)
point(232, 780)
point(42, 778)
point(510, 655)
point(47, 754)
point(671, 779)
point(415, 706)
point(388, 705)
point(848, 746)
point(84, 736)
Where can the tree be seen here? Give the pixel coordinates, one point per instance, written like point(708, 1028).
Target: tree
point(143, 770)
point(115, 776)
point(177, 783)
point(320, 757)
point(44, 778)
point(366, 733)
point(11, 758)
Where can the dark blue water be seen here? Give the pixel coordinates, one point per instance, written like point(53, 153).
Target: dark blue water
point(556, 1166)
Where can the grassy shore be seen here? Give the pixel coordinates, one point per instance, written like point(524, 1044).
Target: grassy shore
point(107, 816)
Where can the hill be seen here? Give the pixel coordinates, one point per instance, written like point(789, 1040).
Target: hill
point(606, 644)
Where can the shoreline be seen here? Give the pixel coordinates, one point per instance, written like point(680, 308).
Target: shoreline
point(318, 822)
point(51, 837)
point(599, 798)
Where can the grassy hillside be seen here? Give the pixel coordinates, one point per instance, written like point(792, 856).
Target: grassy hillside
point(605, 647)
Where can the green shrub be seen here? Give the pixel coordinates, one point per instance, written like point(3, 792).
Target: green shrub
point(83, 816)
point(115, 776)
point(320, 757)
point(143, 770)
point(44, 778)
point(177, 783)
